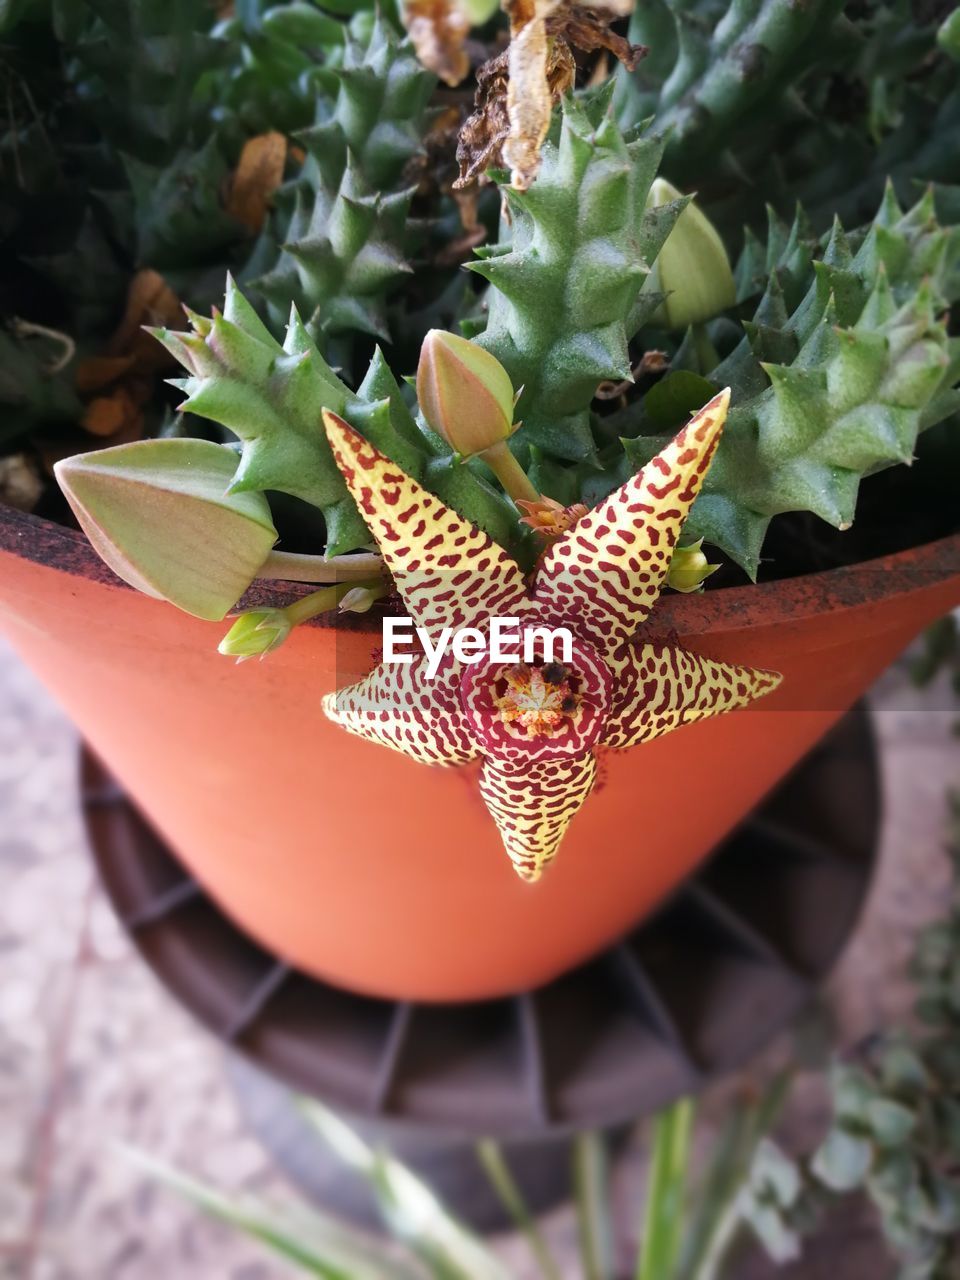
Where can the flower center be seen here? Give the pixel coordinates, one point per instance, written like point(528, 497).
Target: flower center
point(543, 709)
point(538, 700)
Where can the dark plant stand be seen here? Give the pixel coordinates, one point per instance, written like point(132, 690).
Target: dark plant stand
point(690, 994)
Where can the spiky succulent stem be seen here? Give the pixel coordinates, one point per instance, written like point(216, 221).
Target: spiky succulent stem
point(344, 237)
point(776, 101)
point(562, 304)
point(711, 64)
point(834, 389)
point(271, 397)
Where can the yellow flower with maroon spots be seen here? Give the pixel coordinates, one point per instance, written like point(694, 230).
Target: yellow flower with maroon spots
point(536, 723)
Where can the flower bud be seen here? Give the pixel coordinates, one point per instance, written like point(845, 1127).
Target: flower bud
point(948, 37)
point(160, 514)
point(465, 393)
point(255, 634)
point(362, 598)
point(692, 267)
point(689, 568)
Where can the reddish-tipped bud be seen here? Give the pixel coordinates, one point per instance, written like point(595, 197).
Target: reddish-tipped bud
point(465, 393)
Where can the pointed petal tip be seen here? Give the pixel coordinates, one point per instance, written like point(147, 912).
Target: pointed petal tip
point(714, 411)
point(337, 429)
point(767, 681)
point(529, 875)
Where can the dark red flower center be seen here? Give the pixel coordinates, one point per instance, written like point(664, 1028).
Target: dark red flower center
point(540, 709)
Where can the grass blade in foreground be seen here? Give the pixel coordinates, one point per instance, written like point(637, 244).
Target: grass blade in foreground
point(315, 1243)
point(592, 1188)
point(716, 1219)
point(409, 1208)
point(663, 1218)
point(501, 1179)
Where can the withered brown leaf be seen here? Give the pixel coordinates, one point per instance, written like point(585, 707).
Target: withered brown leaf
point(258, 174)
point(518, 89)
point(439, 31)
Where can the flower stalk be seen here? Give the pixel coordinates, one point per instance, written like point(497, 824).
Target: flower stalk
point(509, 472)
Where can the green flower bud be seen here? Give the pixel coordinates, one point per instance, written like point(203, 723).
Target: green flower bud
point(948, 37)
point(689, 568)
point(692, 268)
point(465, 393)
point(255, 634)
point(160, 513)
point(362, 598)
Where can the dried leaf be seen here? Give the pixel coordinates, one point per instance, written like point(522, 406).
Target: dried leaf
point(589, 30)
point(109, 415)
point(94, 373)
point(150, 300)
point(439, 31)
point(258, 174)
point(485, 131)
point(517, 90)
point(529, 94)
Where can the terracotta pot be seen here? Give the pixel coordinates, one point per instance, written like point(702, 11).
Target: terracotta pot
point(387, 877)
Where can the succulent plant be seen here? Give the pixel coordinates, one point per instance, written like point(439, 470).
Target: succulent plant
point(711, 64)
point(828, 101)
point(845, 360)
point(606, 298)
point(564, 297)
point(341, 233)
point(271, 396)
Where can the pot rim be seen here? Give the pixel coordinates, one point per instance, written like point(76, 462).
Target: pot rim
point(753, 605)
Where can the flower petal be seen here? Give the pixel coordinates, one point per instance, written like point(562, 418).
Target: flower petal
point(533, 805)
point(603, 577)
point(449, 573)
point(659, 687)
point(396, 706)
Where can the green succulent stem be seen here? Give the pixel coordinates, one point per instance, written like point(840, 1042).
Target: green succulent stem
point(845, 360)
point(341, 238)
point(566, 279)
point(271, 396)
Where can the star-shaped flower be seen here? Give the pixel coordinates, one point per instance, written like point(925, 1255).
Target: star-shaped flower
point(536, 724)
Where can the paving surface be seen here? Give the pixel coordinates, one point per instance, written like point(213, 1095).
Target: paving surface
point(93, 1054)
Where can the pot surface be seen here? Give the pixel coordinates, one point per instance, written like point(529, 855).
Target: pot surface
point(388, 877)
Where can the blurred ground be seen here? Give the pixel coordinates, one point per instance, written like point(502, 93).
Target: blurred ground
point(93, 1053)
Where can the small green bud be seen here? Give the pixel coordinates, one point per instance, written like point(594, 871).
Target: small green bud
point(948, 37)
point(160, 513)
point(692, 268)
point(465, 393)
point(255, 634)
point(362, 598)
point(689, 568)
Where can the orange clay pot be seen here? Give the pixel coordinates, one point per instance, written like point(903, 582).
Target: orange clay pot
point(388, 877)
